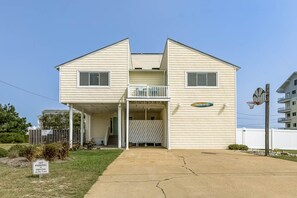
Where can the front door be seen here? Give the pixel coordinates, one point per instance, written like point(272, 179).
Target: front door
point(115, 126)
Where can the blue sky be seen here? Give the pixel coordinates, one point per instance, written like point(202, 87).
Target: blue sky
point(35, 36)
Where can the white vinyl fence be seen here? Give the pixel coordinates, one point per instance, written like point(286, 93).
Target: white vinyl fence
point(278, 138)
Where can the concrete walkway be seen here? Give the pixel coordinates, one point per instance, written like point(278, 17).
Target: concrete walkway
point(195, 173)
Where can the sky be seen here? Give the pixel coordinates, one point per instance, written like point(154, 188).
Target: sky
point(35, 36)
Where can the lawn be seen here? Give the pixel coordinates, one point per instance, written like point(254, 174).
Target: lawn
point(285, 157)
point(72, 178)
point(7, 146)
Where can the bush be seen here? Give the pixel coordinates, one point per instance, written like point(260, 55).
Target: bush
point(238, 147)
point(3, 152)
point(12, 138)
point(13, 154)
point(19, 148)
point(30, 152)
point(63, 150)
point(50, 151)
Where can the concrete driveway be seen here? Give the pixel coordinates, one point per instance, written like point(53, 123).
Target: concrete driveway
point(196, 173)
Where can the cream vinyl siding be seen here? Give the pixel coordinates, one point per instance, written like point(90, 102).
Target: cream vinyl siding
point(113, 59)
point(147, 78)
point(146, 61)
point(192, 127)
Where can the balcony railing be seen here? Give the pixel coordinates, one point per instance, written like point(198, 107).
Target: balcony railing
point(283, 109)
point(141, 91)
point(282, 120)
point(284, 99)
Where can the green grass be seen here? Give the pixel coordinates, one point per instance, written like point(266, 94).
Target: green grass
point(7, 146)
point(294, 159)
point(72, 178)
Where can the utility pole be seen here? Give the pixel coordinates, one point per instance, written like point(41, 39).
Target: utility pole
point(267, 100)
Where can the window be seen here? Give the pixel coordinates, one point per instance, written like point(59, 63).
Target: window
point(294, 124)
point(93, 78)
point(295, 82)
point(293, 102)
point(195, 79)
point(294, 92)
point(288, 115)
point(288, 125)
point(294, 114)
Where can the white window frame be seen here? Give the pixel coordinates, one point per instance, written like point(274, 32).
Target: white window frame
point(92, 86)
point(203, 87)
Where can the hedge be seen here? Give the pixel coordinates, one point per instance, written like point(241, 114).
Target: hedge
point(12, 138)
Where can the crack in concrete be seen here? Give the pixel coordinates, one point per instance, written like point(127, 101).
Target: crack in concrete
point(185, 165)
point(158, 185)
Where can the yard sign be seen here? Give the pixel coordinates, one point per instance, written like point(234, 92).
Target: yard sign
point(40, 167)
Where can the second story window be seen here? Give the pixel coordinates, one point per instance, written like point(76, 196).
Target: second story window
point(295, 82)
point(94, 79)
point(202, 79)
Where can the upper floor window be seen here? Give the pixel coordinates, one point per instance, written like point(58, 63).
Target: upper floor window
point(295, 82)
point(93, 78)
point(294, 92)
point(202, 79)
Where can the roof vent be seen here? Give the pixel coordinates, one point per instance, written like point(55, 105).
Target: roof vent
point(138, 67)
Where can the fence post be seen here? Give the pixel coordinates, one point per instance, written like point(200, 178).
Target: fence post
point(243, 136)
point(271, 132)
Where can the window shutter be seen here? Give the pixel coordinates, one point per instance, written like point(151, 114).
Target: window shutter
point(83, 78)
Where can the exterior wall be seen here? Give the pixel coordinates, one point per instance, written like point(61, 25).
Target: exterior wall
point(146, 61)
point(191, 127)
point(147, 78)
point(114, 59)
point(99, 126)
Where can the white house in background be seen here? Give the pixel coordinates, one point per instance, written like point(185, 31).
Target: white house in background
point(153, 98)
point(289, 88)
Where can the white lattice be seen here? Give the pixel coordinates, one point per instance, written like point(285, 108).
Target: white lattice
point(145, 131)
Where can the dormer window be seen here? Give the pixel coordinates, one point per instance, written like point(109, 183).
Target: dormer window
point(94, 79)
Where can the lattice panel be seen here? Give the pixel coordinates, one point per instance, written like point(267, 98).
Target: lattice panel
point(146, 131)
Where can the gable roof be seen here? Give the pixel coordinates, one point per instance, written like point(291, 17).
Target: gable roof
point(237, 67)
point(281, 89)
point(57, 67)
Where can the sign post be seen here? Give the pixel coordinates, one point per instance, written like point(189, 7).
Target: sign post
point(40, 167)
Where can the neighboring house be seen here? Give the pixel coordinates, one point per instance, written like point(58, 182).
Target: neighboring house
point(150, 98)
point(289, 88)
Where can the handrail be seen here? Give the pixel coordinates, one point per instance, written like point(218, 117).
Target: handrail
point(148, 91)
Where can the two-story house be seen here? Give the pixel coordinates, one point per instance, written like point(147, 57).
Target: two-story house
point(181, 98)
point(289, 88)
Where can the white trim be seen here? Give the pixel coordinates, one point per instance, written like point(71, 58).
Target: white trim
point(168, 126)
point(70, 125)
point(127, 125)
point(202, 87)
point(92, 86)
point(82, 127)
point(119, 126)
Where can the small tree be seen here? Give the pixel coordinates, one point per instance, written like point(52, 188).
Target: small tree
point(10, 121)
point(59, 121)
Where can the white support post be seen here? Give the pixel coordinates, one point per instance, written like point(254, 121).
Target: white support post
point(119, 126)
point(168, 126)
point(70, 125)
point(271, 136)
point(127, 125)
point(243, 136)
point(145, 114)
point(90, 127)
point(82, 127)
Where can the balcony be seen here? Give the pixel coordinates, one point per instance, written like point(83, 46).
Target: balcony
point(284, 109)
point(284, 99)
point(284, 120)
point(148, 92)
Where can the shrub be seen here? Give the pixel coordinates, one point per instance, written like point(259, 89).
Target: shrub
point(13, 154)
point(238, 147)
point(12, 138)
point(63, 150)
point(91, 145)
point(3, 152)
point(19, 148)
point(50, 151)
point(30, 152)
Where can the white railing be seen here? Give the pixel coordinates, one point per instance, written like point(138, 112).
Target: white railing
point(143, 91)
point(284, 119)
point(288, 96)
point(283, 109)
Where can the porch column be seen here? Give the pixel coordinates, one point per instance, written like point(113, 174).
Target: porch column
point(127, 125)
point(119, 126)
point(168, 126)
point(90, 127)
point(82, 127)
point(70, 125)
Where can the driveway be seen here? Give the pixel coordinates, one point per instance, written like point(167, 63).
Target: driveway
point(195, 173)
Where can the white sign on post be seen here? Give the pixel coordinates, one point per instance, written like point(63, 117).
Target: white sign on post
point(46, 132)
point(40, 167)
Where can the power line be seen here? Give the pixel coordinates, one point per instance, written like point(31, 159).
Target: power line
point(27, 91)
point(253, 114)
